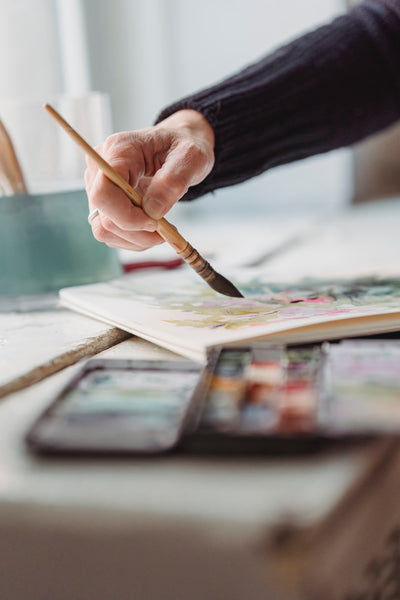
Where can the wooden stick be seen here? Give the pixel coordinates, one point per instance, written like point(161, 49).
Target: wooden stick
point(168, 232)
point(11, 177)
point(92, 346)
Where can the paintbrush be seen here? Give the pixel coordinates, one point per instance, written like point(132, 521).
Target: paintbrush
point(168, 232)
point(11, 177)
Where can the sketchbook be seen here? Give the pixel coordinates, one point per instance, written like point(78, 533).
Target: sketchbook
point(178, 311)
point(340, 280)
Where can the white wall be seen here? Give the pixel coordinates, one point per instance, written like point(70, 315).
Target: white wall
point(130, 57)
point(29, 58)
point(43, 54)
point(158, 50)
point(210, 39)
point(43, 49)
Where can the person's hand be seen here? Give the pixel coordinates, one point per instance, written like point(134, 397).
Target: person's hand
point(161, 163)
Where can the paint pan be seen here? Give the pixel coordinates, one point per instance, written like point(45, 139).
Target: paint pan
point(361, 391)
point(263, 389)
point(301, 390)
point(264, 375)
point(226, 389)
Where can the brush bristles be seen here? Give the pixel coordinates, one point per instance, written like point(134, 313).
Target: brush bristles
point(217, 282)
point(221, 284)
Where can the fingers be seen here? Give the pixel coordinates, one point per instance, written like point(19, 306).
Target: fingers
point(114, 204)
point(120, 224)
point(104, 230)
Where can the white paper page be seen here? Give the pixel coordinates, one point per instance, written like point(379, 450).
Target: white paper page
point(180, 312)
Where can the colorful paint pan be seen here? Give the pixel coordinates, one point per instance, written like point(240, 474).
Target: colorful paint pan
point(226, 390)
point(361, 387)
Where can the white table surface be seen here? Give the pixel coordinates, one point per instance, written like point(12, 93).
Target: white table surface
point(176, 514)
point(34, 345)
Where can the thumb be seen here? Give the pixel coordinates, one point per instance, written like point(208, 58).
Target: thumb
point(164, 190)
point(181, 169)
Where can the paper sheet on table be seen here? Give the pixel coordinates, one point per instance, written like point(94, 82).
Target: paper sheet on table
point(345, 281)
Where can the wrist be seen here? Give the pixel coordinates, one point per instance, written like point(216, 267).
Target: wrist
point(192, 122)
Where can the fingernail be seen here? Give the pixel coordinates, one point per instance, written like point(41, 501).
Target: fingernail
point(153, 207)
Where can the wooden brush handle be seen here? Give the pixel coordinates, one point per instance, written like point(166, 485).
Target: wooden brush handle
point(10, 171)
point(190, 255)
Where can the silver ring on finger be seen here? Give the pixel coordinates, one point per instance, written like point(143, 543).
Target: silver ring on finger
point(92, 215)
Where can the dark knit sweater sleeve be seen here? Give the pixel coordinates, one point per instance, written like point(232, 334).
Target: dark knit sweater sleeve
point(325, 90)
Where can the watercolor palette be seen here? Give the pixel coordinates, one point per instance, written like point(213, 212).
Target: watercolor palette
point(258, 397)
point(261, 394)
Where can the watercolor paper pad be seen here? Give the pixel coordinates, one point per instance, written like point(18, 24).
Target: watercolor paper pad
point(180, 312)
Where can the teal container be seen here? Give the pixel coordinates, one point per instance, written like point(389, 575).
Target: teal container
point(46, 243)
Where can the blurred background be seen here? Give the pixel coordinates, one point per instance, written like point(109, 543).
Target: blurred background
point(144, 55)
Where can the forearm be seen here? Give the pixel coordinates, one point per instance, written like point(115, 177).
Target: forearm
point(327, 89)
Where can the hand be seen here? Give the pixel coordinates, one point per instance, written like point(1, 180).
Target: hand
point(160, 163)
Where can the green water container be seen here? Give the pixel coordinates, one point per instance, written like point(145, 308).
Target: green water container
point(46, 243)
